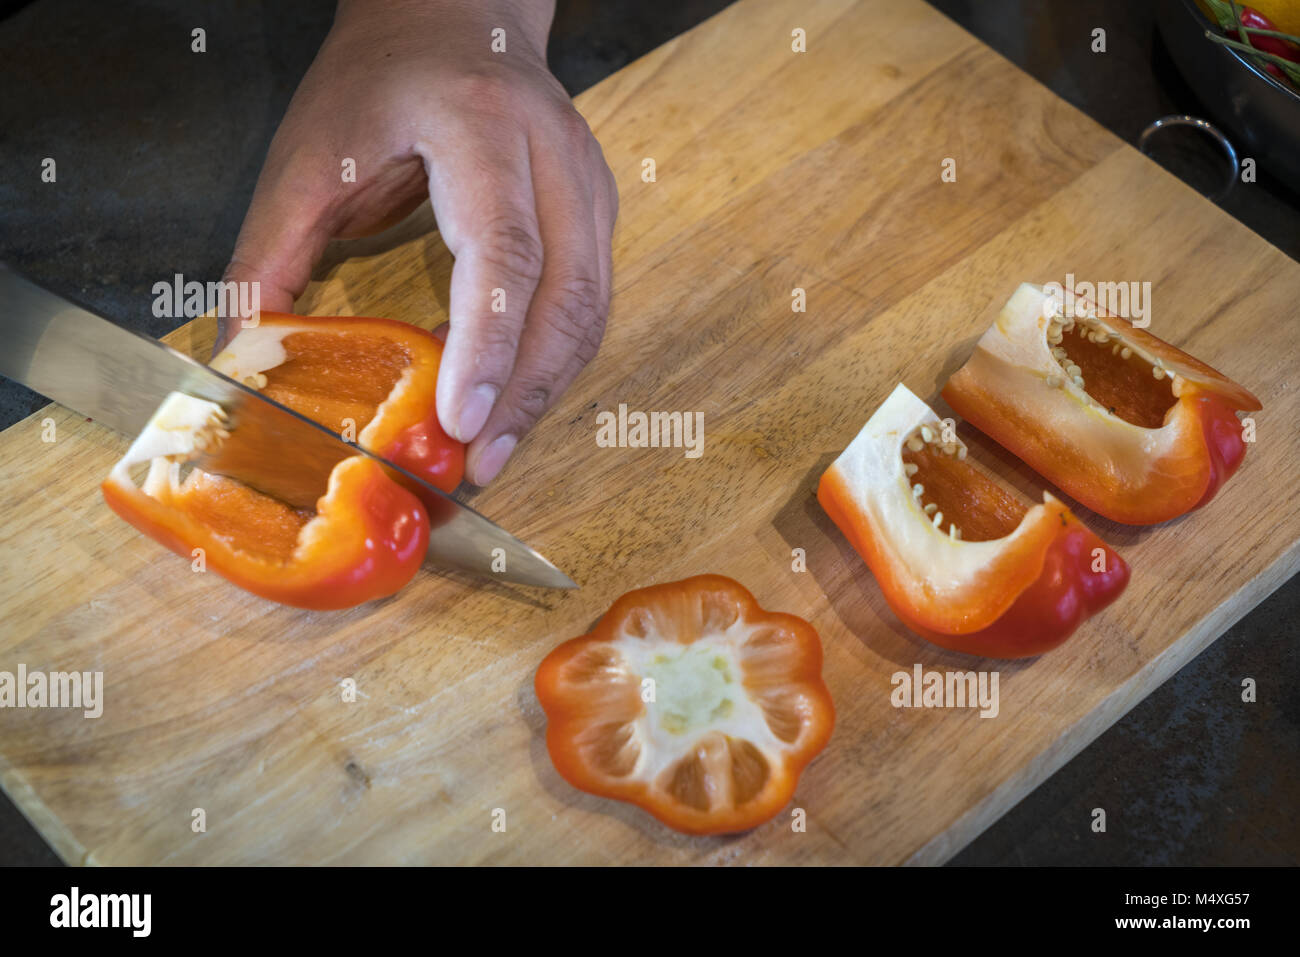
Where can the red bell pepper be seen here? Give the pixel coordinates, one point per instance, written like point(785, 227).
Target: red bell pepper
point(958, 558)
point(690, 701)
point(366, 536)
point(1127, 424)
point(373, 377)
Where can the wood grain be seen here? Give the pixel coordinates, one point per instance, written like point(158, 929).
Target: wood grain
point(775, 170)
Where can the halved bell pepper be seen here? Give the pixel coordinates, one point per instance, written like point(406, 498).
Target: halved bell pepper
point(959, 559)
point(1125, 423)
point(373, 378)
point(690, 701)
point(366, 535)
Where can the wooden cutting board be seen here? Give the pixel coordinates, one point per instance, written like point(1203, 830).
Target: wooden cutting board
point(775, 170)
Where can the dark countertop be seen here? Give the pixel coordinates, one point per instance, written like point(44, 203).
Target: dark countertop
point(158, 150)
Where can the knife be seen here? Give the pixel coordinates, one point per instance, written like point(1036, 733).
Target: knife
point(119, 378)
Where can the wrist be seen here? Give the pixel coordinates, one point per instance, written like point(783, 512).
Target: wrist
point(528, 21)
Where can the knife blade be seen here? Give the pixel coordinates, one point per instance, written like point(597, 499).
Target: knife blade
point(119, 378)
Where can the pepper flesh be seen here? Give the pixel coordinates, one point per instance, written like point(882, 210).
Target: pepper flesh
point(734, 710)
point(1008, 582)
point(373, 378)
point(1144, 435)
point(366, 535)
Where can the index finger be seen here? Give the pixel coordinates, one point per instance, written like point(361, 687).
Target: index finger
point(487, 219)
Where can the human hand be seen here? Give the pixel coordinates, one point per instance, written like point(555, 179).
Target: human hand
point(413, 93)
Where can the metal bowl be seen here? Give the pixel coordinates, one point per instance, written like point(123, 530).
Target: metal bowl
point(1262, 112)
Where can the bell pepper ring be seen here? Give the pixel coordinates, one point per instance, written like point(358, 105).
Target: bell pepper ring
point(691, 702)
point(366, 535)
point(1125, 423)
point(958, 558)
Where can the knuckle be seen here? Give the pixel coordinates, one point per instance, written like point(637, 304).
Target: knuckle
point(488, 90)
point(590, 344)
point(510, 244)
point(573, 128)
point(576, 309)
point(529, 395)
point(603, 174)
point(533, 401)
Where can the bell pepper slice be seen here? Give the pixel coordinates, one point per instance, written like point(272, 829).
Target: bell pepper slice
point(366, 535)
point(959, 559)
point(1125, 423)
point(737, 706)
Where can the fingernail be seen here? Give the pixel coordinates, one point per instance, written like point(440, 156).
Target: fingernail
point(494, 458)
point(474, 412)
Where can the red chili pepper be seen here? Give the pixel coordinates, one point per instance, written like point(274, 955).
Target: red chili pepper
point(1250, 17)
